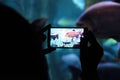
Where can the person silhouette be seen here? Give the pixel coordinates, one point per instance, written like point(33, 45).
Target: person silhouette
point(90, 55)
point(20, 56)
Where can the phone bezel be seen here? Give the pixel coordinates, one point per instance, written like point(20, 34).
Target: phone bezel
point(49, 36)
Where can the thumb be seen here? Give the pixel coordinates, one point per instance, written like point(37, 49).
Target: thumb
point(84, 39)
point(92, 39)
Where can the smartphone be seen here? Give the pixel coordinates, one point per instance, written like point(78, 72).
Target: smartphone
point(65, 37)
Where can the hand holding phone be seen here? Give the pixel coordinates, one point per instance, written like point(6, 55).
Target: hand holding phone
point(90, 56)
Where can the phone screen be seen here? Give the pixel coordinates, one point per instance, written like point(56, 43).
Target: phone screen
point(65, 37)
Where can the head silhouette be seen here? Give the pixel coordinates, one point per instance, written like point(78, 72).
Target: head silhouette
point(17, 44)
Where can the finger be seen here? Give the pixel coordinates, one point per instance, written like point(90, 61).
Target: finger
point(96, 47)
point(45, 28)
point(43, 21)
point(92, 38)
point(39, 22)
point(84, 39)
point(48, 50)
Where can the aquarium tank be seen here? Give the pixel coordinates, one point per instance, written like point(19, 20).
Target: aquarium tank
point(62, 13)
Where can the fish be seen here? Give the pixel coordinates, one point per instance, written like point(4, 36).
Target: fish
point(73, 34)
point(103, 18)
